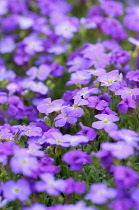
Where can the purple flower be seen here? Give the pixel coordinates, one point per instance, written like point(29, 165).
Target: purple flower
point(120, 150)
point(75, 140)
point(109, 78)
point(127, 92)
point(129, 136)
point(7, 45)
point(33, 44)
point(76, 158)
point(38, 87)
point(131, 21)
point(88, 132)
point(86, 92)
point(99, 59)
point(65, 29)
point(58, 139)
point(24, 163)
point(96, 103)
point(31, 131)
point(133, 75)
point(19, 189)
point(47, 106)
point(81, 77)
point(78, 101)
point(72, 186)
point(78, 63)
point(106, 122)
point(34, 150)
point(41, 73)
point(112, 8)
point(133, 41)
point(25, 22)
point(100, 193)
point(50, 185)
point(66, 116)
point(125, 104)
point(36, 206)
point(120, 57)
point(106, 159)
point(3, 7)
point(3, 98)
point(96, 72)
point(125, 178)
point(122, 203)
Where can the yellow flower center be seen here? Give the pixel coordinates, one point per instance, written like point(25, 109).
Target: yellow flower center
point(129, 92)
point(96, 59)
point(105, 121)
point(50, 104)
point(59, 141)
point(8, 139)
point(65, 115)
point(28, 131)
point(102, 193)
point(75, 106)
point(77, 63)
point(24, 161)
point(110, 82)
point(16, 190)
point(51, 184)
point(31, 150)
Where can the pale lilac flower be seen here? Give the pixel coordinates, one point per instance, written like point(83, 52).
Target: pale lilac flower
point(86, 92)
point(78, 101)
point(58, 139)
point(109, 78)
point(40, 73)
point(25, 22)
point(66, 116)
point(127, 92)
point(32, 44)
point(36, 206)
point(35, 150)
point(99, 59)
point(65, 29)
point(78, 63)
point(120, 150)
point(19, 189)
point(31, 131)
point(47, 106)
point(80, 77)
point(24, 163)
point(75, 140)
point(50, 185)
point(3, 7)
point(133, 41)
point(129, 136)
point(96, 72)
point(100, 193)
point(38, 87)
point(7, 45)
point(106, 122)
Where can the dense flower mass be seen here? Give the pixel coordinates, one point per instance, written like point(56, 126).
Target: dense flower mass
point(69, 104)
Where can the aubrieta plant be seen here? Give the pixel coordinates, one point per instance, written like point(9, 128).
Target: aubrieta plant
point(69, 105)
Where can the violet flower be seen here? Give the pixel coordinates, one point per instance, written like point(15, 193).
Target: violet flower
point(76, 158)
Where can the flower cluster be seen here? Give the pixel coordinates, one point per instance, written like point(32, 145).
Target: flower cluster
point(69, 105)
